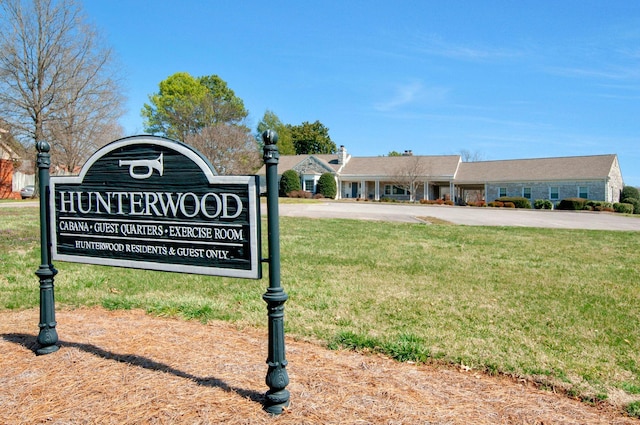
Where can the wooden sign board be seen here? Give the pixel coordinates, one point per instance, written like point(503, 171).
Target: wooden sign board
point(152, 203)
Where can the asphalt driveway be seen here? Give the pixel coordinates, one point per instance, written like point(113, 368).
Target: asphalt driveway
point(463, 215)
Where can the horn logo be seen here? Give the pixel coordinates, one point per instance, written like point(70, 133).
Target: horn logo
point(150, 165)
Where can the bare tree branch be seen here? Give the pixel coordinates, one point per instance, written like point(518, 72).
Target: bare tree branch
point(231, 149)
point(57, 81)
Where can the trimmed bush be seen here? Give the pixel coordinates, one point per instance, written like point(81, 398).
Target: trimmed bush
point(476, 204)
point(517, 201)
point(621, 207)
point(300, 194)
point(572, 204)
point(635, 202)
point(543, 204)
point(327, 186)
point(509, 204)
point(289, 182)
point(599, 205)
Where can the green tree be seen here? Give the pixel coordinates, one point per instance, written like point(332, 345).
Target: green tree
point(289, 182)
point(327, 186)
point(629, 192)
point(184, 105)
point(270, 121)
point(394, 153)
point(311, 138)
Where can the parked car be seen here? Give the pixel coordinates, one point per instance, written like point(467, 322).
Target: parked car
point(27, 191)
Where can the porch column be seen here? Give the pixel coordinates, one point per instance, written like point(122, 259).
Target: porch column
point(425, 191)
point(377, 196)
point(363, 189)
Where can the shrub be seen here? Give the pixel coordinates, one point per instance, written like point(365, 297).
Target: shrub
point(635, 202)
point(517, 201)
point(630, 192)
point(300, 194)
point(289, 182)
point(327, 186)
point(476, 204)
point(509, 205)
point(543, 204)
point(318, 196)
point(573, 204)
point(448, 202)
point(621, 207)
point(598, 205)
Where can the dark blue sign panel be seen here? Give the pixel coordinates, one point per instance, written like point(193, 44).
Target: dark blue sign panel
point(152, 203)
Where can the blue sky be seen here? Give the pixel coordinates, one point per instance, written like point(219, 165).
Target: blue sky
point(504, 79)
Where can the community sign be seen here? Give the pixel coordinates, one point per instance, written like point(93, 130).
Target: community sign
point(153, 203)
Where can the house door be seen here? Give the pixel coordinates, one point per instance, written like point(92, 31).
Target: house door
point(354, 189)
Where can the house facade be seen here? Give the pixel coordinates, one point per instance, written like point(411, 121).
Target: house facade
point(414, 178)
point(7, 159)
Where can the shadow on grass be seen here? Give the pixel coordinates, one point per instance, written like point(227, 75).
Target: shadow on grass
point(29, 342)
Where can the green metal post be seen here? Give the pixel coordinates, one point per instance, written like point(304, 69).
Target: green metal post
point(277, 398)
point(48, 336)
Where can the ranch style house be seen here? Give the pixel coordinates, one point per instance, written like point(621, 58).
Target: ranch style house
point(417, 177)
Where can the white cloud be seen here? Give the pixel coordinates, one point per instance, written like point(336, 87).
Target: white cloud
point(411, 93)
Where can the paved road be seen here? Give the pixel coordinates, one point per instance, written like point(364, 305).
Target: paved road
point(458, 215)
point(464, 215)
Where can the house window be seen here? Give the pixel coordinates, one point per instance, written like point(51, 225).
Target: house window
point(394, 190)
point(502, 191)
point(554, 193)
point(309, 185)
point(526, 192)
point(583, 192)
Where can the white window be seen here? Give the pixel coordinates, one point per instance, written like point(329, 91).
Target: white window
point(309, 185)
point(526, 192)
point(502, 191)
point(554, 192)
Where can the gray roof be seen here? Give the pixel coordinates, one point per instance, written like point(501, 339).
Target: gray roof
point(449, 167)
point(537, 169)
point(433, 166)
point(288, 162)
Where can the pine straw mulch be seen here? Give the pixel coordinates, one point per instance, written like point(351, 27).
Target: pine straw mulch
point(126, 367)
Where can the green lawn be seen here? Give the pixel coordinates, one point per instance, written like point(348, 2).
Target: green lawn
point(559, 307)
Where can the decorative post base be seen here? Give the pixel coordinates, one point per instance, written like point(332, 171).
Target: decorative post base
point(277, 398)
point(48, 336)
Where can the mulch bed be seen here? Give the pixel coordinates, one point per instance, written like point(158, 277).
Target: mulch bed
point(127, 367)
